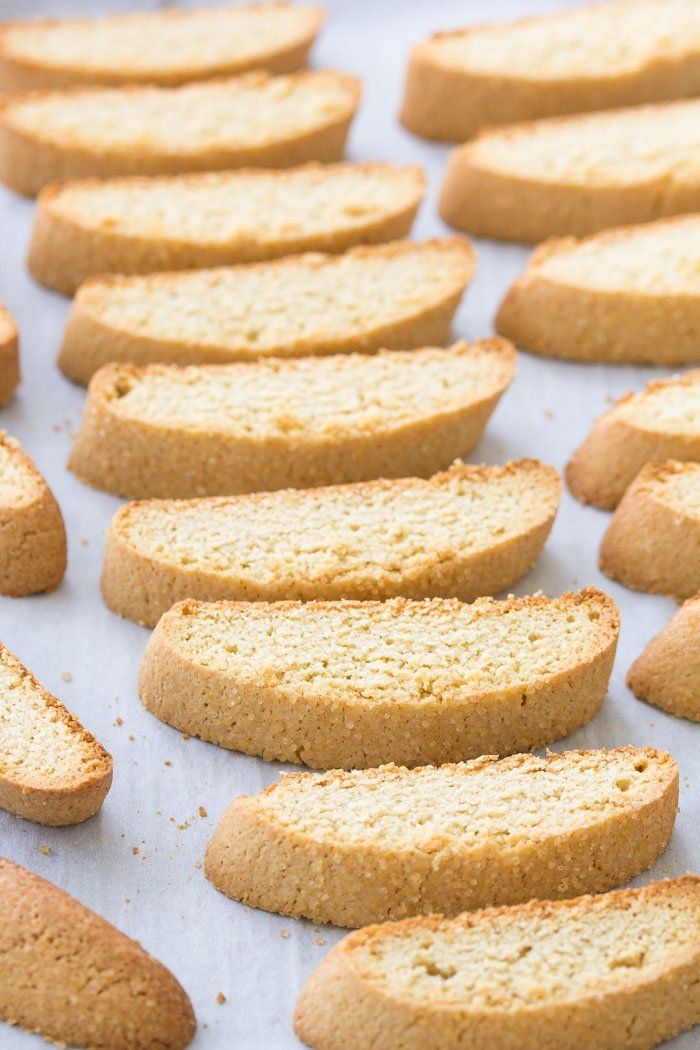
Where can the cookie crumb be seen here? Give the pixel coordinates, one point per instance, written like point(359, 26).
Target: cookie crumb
point(134, 850)
point(284, 933)
point(67, 676)
point(198, 865)
point(46, 850)
point(202, 812)
point(320, 941)
point(119, 721)
point(167, 762)
point(221, 998)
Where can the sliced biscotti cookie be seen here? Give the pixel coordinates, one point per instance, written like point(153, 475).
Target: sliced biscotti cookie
point(653, 541)
point(255, 119)
point(32, 533)
point(9, 355)
point(52, 771)
point(616, 970)
point(576, 175)
point(568, 62)
point(139, 224)
point(70, 976)
point(358, 684)
point(163, 47)
point(667, 673)
point(661, 422)
point(626, 296)
point(463, 533)
point(219, 430)
point(396, 296)
point(352, 848)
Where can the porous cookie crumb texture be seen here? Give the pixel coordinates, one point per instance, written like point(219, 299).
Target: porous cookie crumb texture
point(653, 541)
point(359, 684)
point(247, 121)
point(465, 532)
point(661, 422)
point(378, 844)
point(598, 57)
point(141, 225)
point(164, 47)
point(67, 974)
point(396, 296)
point(629, 295)
point(616, 970)
point(9, 355)
point(52, 771)
point(667, 674)
point(170, 431)
point(576, 175)
point(32, 533)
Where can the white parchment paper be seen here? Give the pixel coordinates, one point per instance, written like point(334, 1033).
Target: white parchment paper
point(137, 862)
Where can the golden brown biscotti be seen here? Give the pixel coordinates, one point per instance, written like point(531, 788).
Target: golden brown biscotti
point(70, 976)
point(352, 848)
point(466, 532)
point(653, 541)
point(395, 296)
point(667, 673)
point(576, 175)
point(9, 356)
point(32, 534)
point(52, 771)
point(252, 120)
point(612, 972)
point(358, 684)
point(160, 47)
point(220, 430)
point(661, 422)
point(143, 224)
point(597, 57)
point(624, 296)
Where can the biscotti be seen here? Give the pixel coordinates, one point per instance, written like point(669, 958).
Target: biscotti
point(467, 532)
point(163, 47)
point(395, 296)
point(52, 771)
point(653, 541)
point(254, 119)
point(358, 684)
point(32, 533)
point(175, 222)
point(9, 356)
point(352, 848)
point(70, 976)
point(667, 674)
point(617, 970)
point(219, 430)
point(661, 422)
point(576, 175)
point(625, 296)
point(567, 62)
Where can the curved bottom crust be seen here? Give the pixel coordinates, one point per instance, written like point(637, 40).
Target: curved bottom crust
point(9, 368)
point(33, 553)
point(667, 674)
point(253, 859)
point(338, 1008)
point(56, 807)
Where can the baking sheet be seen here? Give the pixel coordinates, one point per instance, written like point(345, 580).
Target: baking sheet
point(138, 862)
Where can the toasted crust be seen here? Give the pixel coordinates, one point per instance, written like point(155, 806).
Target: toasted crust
point(9, 356)
point(71, 243)
point(559, 317)
point(51, 777)
point(30, 56)
point(667, 674)
point(343, 722)
point(653, 541)
point(260, 856)
point(32, 534)
point(72, 977)
point(142, 583)
point(34, 152)
point(423, 318)
point(206, 445)
point(617, 1000)
point(621, 442)
point(450, 97)
point(492, 198)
